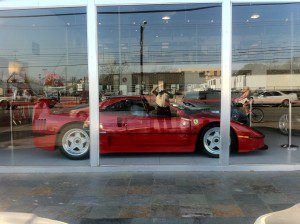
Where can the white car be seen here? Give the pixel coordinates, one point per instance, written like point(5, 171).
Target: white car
point(274, 97)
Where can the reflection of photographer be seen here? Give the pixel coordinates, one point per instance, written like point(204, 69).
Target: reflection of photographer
point(162, 100)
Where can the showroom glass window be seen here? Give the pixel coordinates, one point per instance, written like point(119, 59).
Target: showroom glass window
point(159, 75)
point(266, 59)
point(43, 87)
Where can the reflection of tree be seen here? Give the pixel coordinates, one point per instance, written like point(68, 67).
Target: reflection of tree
point(113, 67)
point(110, 72)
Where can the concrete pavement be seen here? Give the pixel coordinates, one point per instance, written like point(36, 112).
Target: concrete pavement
point(160, 197)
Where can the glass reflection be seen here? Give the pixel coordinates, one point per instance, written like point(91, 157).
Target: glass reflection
point(168, 57)
point(43, 76)
point(265, 62)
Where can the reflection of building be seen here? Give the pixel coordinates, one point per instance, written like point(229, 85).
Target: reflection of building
point(208, 73)
point(171, 79)
point(268, 82)
point(179, 81)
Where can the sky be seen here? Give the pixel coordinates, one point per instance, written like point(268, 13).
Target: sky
point(189, 37)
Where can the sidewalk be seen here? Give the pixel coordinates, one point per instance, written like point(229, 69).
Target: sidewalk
point(207, 197)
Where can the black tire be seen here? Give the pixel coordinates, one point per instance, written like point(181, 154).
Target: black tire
point(61, 146)
point(200, 141)
point(257, 115)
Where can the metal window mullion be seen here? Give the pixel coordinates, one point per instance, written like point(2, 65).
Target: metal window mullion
point(37, 4)
point(149, 2)
point(92, 44)
point(226, 61)
point(264, 1)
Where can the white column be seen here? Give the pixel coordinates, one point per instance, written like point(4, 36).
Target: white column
point(92, 41)
point(226, 60)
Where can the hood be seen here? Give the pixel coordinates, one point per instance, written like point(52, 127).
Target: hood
point(206, 115)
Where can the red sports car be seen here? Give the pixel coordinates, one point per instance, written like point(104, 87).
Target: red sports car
point(130, 124)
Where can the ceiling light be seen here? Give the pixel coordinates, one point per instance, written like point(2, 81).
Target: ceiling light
point(166, 18)
point(255, 16)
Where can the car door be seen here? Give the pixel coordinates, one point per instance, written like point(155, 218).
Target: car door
point(170, 133)
point(278, 97)
point(148, 132)
point(275, 97)
point(138, 135)
point(265, 98)
point(113, 127)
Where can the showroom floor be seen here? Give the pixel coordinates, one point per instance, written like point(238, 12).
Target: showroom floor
point(26, 155)
point(160, 197)
point(24, 152)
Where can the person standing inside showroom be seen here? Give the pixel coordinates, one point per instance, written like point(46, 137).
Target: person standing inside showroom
point(244, 99)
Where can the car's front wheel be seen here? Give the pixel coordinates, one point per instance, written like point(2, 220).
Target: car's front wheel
point(74, 142)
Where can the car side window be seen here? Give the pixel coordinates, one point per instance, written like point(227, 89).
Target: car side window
point(267, 94)
point(276, 94)
point(131, 106)
point(118, 106)
point(137, 108)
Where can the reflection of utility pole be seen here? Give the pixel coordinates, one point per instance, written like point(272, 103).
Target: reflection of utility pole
point(67, 54)
point(142, 27)
point(292, 41)
point(120, 49)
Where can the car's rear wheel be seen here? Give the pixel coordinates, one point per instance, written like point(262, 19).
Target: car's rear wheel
point(210, 140)
point(74, 142)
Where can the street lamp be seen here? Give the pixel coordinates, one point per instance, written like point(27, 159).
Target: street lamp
point(142, 27)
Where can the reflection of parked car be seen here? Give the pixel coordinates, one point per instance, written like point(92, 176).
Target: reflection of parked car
point(210, 101)
point(273, 98)
point(20, 99)
point(130, 124)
